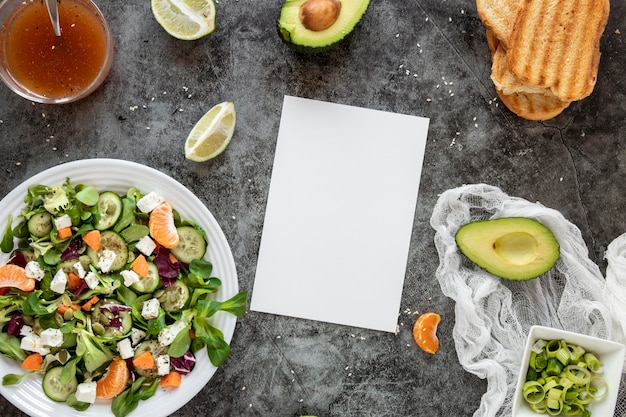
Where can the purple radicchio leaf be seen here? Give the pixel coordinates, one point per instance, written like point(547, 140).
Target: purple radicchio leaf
point(115, 308)
point(15, 324)
point(184, 364)
point(167, 268)
point(18, 259)
point(81, 288)
point(71, 252)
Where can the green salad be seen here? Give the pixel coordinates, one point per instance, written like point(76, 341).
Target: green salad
point(108, 296)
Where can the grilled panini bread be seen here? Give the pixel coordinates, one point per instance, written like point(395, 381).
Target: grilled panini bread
point(545, 53)
point(534, 106)
point(497, 15)
point(505, 81)
point(556, 44)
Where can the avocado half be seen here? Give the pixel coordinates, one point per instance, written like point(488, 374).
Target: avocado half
point(514, 248)
point(318, 25)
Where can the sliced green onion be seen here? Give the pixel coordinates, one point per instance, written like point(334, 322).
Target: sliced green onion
point(592, 361)
point(577, 375)
point(555, 367)
point(533, 392)
point(563, 355)
point(562, 378)
point(552, 347)
point(600, 387)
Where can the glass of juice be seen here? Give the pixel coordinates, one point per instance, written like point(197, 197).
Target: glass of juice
point(38, 65)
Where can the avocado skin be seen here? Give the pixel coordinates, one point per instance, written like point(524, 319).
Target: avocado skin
point(329, 38)
point(478, 241)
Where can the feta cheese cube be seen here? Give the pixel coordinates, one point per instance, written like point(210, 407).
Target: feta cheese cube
point(130, 277)
point(150, 309)
point(137, 336)
point(165, 337)
point(148, 202)
point(86, 392)
point(163, 364)
point(91, 280)
point(63, 222)
point(32, 343)
point(125, 348)
point(51, 337)
point(80, 270)
point(105, 260)
point(168, 334)
point(59, 282)
point(145, 245)
point(26, 330)
point(34, 270)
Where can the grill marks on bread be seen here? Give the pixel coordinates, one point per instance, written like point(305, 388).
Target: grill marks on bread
point(545, 53)
point(556, 44)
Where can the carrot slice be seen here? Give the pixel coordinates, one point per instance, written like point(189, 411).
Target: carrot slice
point(62, 308)
point(171, 380)
point(144, 360)
point(92, 239)
point(140, 266)
point(89, 303)
point(64, 233)
point(33, 362)
point(73, 280)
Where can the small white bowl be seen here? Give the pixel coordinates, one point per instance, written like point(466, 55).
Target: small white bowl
point(610, 354)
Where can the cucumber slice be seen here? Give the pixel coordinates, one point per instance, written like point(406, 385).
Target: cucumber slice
point(174, 297)
point(109, 240)
point(192, 245)
point(150, 283)
point(109, 210)
point(40, 224)
point(154, 347)
point(54, 388)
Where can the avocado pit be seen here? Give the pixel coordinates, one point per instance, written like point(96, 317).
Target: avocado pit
point(318, 15)
point(518, 248)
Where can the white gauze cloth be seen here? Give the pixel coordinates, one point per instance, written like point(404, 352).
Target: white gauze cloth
point(493, 316)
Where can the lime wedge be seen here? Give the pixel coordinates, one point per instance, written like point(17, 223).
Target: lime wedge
point(185, 19)
point(212, 134)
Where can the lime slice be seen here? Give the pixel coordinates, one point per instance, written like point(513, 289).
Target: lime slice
point(212, 134)
point(185, 19)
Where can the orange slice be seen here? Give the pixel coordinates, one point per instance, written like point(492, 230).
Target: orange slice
point(114, 381)
point(162, 228)
point(15, 276)
point(425, 332)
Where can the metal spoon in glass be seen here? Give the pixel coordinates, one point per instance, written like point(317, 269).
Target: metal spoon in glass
point(53, 11)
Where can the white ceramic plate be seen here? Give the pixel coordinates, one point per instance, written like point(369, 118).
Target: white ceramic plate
point(118, 175)
point(610, 354)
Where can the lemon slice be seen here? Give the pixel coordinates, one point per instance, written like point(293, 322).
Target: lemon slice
point(185, 19)
point(212, 134)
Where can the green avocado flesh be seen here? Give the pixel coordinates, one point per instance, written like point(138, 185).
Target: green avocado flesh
point(293, 31)
point(514, 248)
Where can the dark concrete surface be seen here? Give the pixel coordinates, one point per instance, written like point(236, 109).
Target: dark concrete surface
point(426, 58)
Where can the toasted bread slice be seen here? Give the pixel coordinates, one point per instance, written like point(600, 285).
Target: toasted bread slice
point(505, 80)
point(556, 44)
point(541, 106)
point(497, 15)
point(492, 42)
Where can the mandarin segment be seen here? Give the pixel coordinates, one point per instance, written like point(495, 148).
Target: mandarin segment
point(425, 332)
point(162, 227)
point(15, 276)
point(114, 381)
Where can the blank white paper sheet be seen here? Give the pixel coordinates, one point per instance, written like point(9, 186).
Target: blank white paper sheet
point(339, 214)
